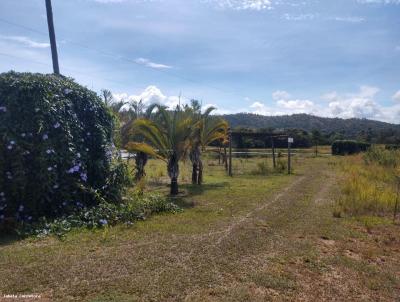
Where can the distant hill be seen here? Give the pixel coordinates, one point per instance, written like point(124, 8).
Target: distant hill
point(348, 128)
point(307, 122)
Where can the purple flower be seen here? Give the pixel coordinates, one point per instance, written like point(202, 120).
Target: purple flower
point(12, 142)
point(1, 194)
point(103, 221)
point(88, 134)
point(23, 134)
point(29, 217)
point(48, 151)
point(64, 203)
point(3, 108)
point(21, 208)
point(9, 147)
point(56, 186)
point(45, 137)
point(49, 168)
point(57, 125)
point(84, 177)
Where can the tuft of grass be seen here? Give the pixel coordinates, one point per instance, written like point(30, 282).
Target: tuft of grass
point(275, 281)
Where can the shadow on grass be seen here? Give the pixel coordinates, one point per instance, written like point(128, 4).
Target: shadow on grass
point(189, 190)
point(194, 190)
point(6, 239)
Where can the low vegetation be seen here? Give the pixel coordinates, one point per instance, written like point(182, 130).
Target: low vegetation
point(370, 184)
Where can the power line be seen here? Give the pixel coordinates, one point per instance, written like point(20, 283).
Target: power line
point(119, 57)
point(66, 68)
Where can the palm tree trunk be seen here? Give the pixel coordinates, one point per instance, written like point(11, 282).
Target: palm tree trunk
point(195, 159)
point(173, 173)
point(225, 159)
point(200, 172)
point(140, 161)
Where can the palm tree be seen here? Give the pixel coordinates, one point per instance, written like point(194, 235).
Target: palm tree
point(207, 130)
point(128, 133)
point(168, 135)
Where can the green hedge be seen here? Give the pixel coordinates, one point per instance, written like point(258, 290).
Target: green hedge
point(347, 147)
point(55, 148)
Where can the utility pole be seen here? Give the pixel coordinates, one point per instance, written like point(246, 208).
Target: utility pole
point(230, 151)
point(52, 36)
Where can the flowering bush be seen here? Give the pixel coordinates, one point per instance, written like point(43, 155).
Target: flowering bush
point(56, 151)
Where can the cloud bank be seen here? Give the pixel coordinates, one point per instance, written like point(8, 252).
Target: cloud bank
point(359, 104)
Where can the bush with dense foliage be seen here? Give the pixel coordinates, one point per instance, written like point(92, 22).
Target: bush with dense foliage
point(56, 148)
point(347, 147)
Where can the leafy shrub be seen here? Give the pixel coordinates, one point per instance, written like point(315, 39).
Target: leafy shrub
point(55, 148)
point(281, 166)
point(138, 207)
point(347, 147)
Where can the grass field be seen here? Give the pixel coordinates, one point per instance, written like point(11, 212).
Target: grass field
point(251, 237)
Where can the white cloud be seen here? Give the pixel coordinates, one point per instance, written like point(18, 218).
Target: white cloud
point(25, 41)
point(396, 96)
point(300, 17)
point(360, 105)
point(280, 95)
point(295, 104)
point(348, 19)
point(148, 63)
point(257, 5)
point(152, 94)
point(379, 1)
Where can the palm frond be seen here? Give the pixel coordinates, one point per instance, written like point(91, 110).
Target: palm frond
point(143, 147)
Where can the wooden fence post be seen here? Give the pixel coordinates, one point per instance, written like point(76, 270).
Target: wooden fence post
point(230, 151)
point(273, 152)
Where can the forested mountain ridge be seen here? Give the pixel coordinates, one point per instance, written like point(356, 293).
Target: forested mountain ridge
point(346, 128)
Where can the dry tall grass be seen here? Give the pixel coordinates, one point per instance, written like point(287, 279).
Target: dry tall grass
point(370, 183)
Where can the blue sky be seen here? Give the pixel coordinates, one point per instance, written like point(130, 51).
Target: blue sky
point(331, 58)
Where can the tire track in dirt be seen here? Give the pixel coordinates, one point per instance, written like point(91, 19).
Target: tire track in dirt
point(228, 230)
